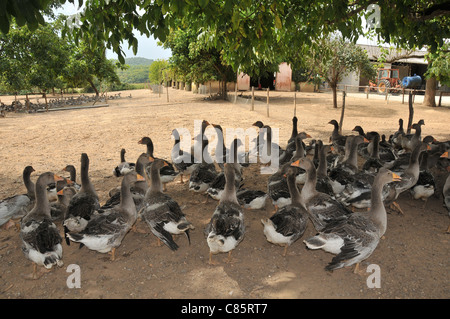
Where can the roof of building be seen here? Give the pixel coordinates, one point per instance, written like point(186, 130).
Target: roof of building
point(396, 54)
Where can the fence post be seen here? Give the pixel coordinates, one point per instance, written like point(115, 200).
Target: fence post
point(253, 98)
point(367, 94)
point(268, 102)
point(411, 112)
point(342, 112)
point(167, 91)
point(387, 92)
point(236, 87)
point(295, 103)
point(403, 97)
point(440, 98)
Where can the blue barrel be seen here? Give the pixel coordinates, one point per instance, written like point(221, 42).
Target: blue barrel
point(411, 82)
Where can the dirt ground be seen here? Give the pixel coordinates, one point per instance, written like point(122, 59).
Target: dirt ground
point(413, 256)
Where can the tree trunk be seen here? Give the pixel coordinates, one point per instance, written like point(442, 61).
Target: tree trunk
point(411, 113)
point(430, 92)
point(334, 88)
point(341, 122)
point(224, 87)
point(93, 86)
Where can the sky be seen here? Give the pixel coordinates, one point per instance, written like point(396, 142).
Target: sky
point(147, 47)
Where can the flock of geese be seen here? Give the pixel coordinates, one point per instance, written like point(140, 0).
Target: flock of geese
point(324, 184)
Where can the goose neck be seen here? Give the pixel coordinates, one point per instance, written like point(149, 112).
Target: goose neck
point(377, 209)
point(29, 185)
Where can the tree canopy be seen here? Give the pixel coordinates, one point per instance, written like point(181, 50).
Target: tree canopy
point(333, 58)
point(42, 59)
point(244, 29)
point(246, 34)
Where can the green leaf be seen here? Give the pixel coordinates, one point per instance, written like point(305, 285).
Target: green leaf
point(278, 23)
point(203, 3)
point(235, 19)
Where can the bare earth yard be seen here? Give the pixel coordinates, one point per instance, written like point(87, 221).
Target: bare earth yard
point(413, 256)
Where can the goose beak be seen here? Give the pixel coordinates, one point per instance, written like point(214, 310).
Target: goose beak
point(166, 164)
point(284, 175)
point(296, 163)
point(308, 136)
point(61, 192)
point(445, 155)
point(140, 177)
point(151, 159)
point(64, 169)
point(332, 148)
point(69, 182)
point(396, 178)
point(140, 141)
point(58, 178)
point(428, 147)
point(366, 140)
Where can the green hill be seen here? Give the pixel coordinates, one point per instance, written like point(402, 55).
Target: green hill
point(138, 61)
point(137, 71)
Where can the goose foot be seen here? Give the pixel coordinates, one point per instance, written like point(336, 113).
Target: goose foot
point(113, 254)
point(135, 229)
point(230, 260)
point(358, 271)
point(211, 261)
point(10, 223)
point(285, 250)
point(36, 274)
point(395, 206)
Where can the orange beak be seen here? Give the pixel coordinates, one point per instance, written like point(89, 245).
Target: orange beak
point(140, 177)
point(58, 178)
point(396, 178)
point(61, 192)
point(366, 140)
point(296, 163)
point(445, 155)
point(308, 136)
point(151, 159)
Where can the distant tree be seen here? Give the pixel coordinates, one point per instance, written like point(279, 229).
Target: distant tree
point(332, 58)
point(157, 71)
point(438, 70)
point(32, 58)
point(193, 59)
point(85, 65)
point(14, 61)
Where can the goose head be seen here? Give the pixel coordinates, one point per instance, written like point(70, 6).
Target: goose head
point(258, 124)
